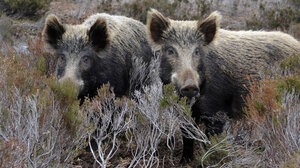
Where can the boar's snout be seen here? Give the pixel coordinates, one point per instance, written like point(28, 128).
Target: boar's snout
point(189, 89)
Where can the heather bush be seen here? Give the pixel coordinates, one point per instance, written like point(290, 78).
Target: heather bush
point(154, 115)
point(26, 7)
point(161, 116)
point(273, 111)
point(137, 9)
point(40, 121)
point(273, 18)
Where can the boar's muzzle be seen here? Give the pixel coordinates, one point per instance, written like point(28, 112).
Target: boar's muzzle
point(189, 89)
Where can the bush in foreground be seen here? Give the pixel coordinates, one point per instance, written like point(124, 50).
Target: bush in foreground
point(42, 124)
point(26, 7)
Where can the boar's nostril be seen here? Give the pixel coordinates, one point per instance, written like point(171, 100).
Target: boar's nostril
point(189, 90)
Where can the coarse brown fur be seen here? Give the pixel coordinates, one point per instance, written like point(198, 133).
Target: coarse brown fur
point(200, 56)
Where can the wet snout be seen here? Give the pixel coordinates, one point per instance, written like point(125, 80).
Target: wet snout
point(189, 89)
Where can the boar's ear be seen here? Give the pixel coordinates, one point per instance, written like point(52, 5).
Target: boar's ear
point(53, 30)
point(209, 26)
point(156, 24)
point(98, 34)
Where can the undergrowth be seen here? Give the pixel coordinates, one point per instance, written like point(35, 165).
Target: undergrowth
point(40, 121)
point(180, 9)
point(43, 125)
point(26, 7)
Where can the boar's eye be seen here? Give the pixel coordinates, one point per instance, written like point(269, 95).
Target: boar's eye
point(61, 58)
point(157, 53)
point(197, 52)
point(61, 61)
point(85, 62)
point(171, 52)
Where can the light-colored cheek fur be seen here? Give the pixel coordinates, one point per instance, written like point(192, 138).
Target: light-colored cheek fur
point(174, 77)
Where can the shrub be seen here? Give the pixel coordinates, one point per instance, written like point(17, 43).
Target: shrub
point(142, 124)
point(273, 110)
point(291, 64)
point(181, 9)
point(217, 153)
point(27, 7)
point(294, 162)
point(40, 125)
point(273, 18)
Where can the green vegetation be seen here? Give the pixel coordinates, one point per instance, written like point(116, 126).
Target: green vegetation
point(27, 7)
point(216, 153)
point(273, 18)
point(293, 162)
point(179, 9)
point(266, 95)
point(66, 93)
point(30, 99)
point(281, 18)
point(272, 105)
point(170, 97)
point(138, 9)
point(295, 2)
point(291, 64)
point(289, 84)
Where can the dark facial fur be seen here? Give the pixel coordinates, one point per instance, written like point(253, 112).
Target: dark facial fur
point(98, 51)
point(78, 56)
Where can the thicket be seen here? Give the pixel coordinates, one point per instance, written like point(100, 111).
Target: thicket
point(274, 18)
point(179, 9)
point(40, 124)
point(25, 7)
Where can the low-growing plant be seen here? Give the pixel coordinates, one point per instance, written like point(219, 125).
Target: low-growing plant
point(273, 18)
point(39, 124)
point(153, 116)
point(291, 64)
point(273, 110)
point(27, 7)
point(293, 162)
point(217, 152)
point(179, 9)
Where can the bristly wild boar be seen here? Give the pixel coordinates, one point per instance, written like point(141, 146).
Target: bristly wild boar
point(98, 51)
point(211, 64)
